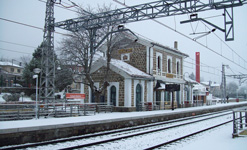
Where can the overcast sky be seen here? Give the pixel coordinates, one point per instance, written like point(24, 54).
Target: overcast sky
point(32, 12)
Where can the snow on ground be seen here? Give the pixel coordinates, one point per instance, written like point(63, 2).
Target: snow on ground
point(220, 138)
point(216, 139)
point(22, 99)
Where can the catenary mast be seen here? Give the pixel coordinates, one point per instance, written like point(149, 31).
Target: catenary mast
point(92, 22)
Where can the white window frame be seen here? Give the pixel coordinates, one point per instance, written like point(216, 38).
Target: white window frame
point(158, 54)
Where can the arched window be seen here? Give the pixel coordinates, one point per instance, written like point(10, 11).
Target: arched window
point(178, 68)
point(158, 61)
point(113, 95)
point(169, 65)
point(138, 97)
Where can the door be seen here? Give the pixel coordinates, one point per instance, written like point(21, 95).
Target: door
point(138, 97)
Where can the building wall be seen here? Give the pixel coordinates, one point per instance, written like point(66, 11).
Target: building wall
point(135, 52)
point(112, 77)
point(165, 56)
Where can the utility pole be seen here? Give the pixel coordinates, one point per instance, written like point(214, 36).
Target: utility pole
point(223, 84)
point(47, 80)
point(93, 22)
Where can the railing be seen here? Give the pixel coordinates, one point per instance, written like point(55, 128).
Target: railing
point(27, 111)
point(158, 105)
point(239, 122)
point(103, 107)
point(197, 103)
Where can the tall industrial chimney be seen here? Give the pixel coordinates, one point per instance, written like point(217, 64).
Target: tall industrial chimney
point(198, 67)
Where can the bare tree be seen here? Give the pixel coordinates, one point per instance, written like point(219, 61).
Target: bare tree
point(82, 48)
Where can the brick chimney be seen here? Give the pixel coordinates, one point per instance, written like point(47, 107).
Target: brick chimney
point(176, 45)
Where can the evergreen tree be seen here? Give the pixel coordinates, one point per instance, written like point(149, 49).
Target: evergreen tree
point(34, 63)
point(63, 76)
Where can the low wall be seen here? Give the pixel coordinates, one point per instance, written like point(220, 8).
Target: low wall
point(44, 133)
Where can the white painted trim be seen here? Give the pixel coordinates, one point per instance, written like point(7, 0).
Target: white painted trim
point(127, 92)
point(150, 91)
point(82, 88)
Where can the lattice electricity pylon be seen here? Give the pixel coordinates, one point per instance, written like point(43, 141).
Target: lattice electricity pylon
point(92, 22)
point(47, 80)
point(147, 11)
point(228, 23)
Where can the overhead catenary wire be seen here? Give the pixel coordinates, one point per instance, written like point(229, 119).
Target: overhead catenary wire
point(15, 51)
point(61, 6)
point(31, 26)
point(16, 44)
point(222, 41)
point(205, 46)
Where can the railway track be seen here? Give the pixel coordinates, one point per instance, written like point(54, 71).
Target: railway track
point(116, 135)
point(186, 136)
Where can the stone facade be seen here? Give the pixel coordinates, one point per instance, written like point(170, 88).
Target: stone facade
point(149, 58)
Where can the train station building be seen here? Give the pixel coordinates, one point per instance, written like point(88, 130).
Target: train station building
point(141, 73)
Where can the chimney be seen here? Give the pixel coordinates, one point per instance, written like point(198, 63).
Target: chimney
point(176, 45)
point(198, 67)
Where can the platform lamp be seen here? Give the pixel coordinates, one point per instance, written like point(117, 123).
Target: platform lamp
point(36, 71)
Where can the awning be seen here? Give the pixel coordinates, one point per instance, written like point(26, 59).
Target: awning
point(160, 85)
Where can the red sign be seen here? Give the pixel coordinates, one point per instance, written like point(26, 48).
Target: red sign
point(75, 96)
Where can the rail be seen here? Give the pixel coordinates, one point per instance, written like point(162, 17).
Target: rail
point(239, 122)
point(119, 133)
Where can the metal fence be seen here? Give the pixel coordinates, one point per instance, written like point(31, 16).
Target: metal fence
point(239, 122)
point(27, 111)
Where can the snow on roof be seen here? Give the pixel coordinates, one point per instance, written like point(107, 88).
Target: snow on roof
point(9, 64)
point(199, 87)
point(130, 70)
point(187, 79)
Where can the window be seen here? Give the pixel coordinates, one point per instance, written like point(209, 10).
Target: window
point(12, 69)
point(125, 57)
point(113, 95)
point(178, 67)
point(138, 97)
point(158, 62)
point(19, 70)
point(169, 65)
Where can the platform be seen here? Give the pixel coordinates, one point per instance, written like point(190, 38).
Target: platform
point(23, 131)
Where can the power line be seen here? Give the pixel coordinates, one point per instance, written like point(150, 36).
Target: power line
point(14, 51)
point(17, 44)
point(35, 27)
point(21, 23)
point(222, 41)
point(61, 6)
point(187, 37)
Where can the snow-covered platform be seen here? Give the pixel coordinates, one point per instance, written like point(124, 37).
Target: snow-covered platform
point(16, 132)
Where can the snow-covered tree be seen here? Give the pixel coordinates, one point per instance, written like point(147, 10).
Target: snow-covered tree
point(82, 48)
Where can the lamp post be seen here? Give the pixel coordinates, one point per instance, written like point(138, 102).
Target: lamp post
point(36, 71)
